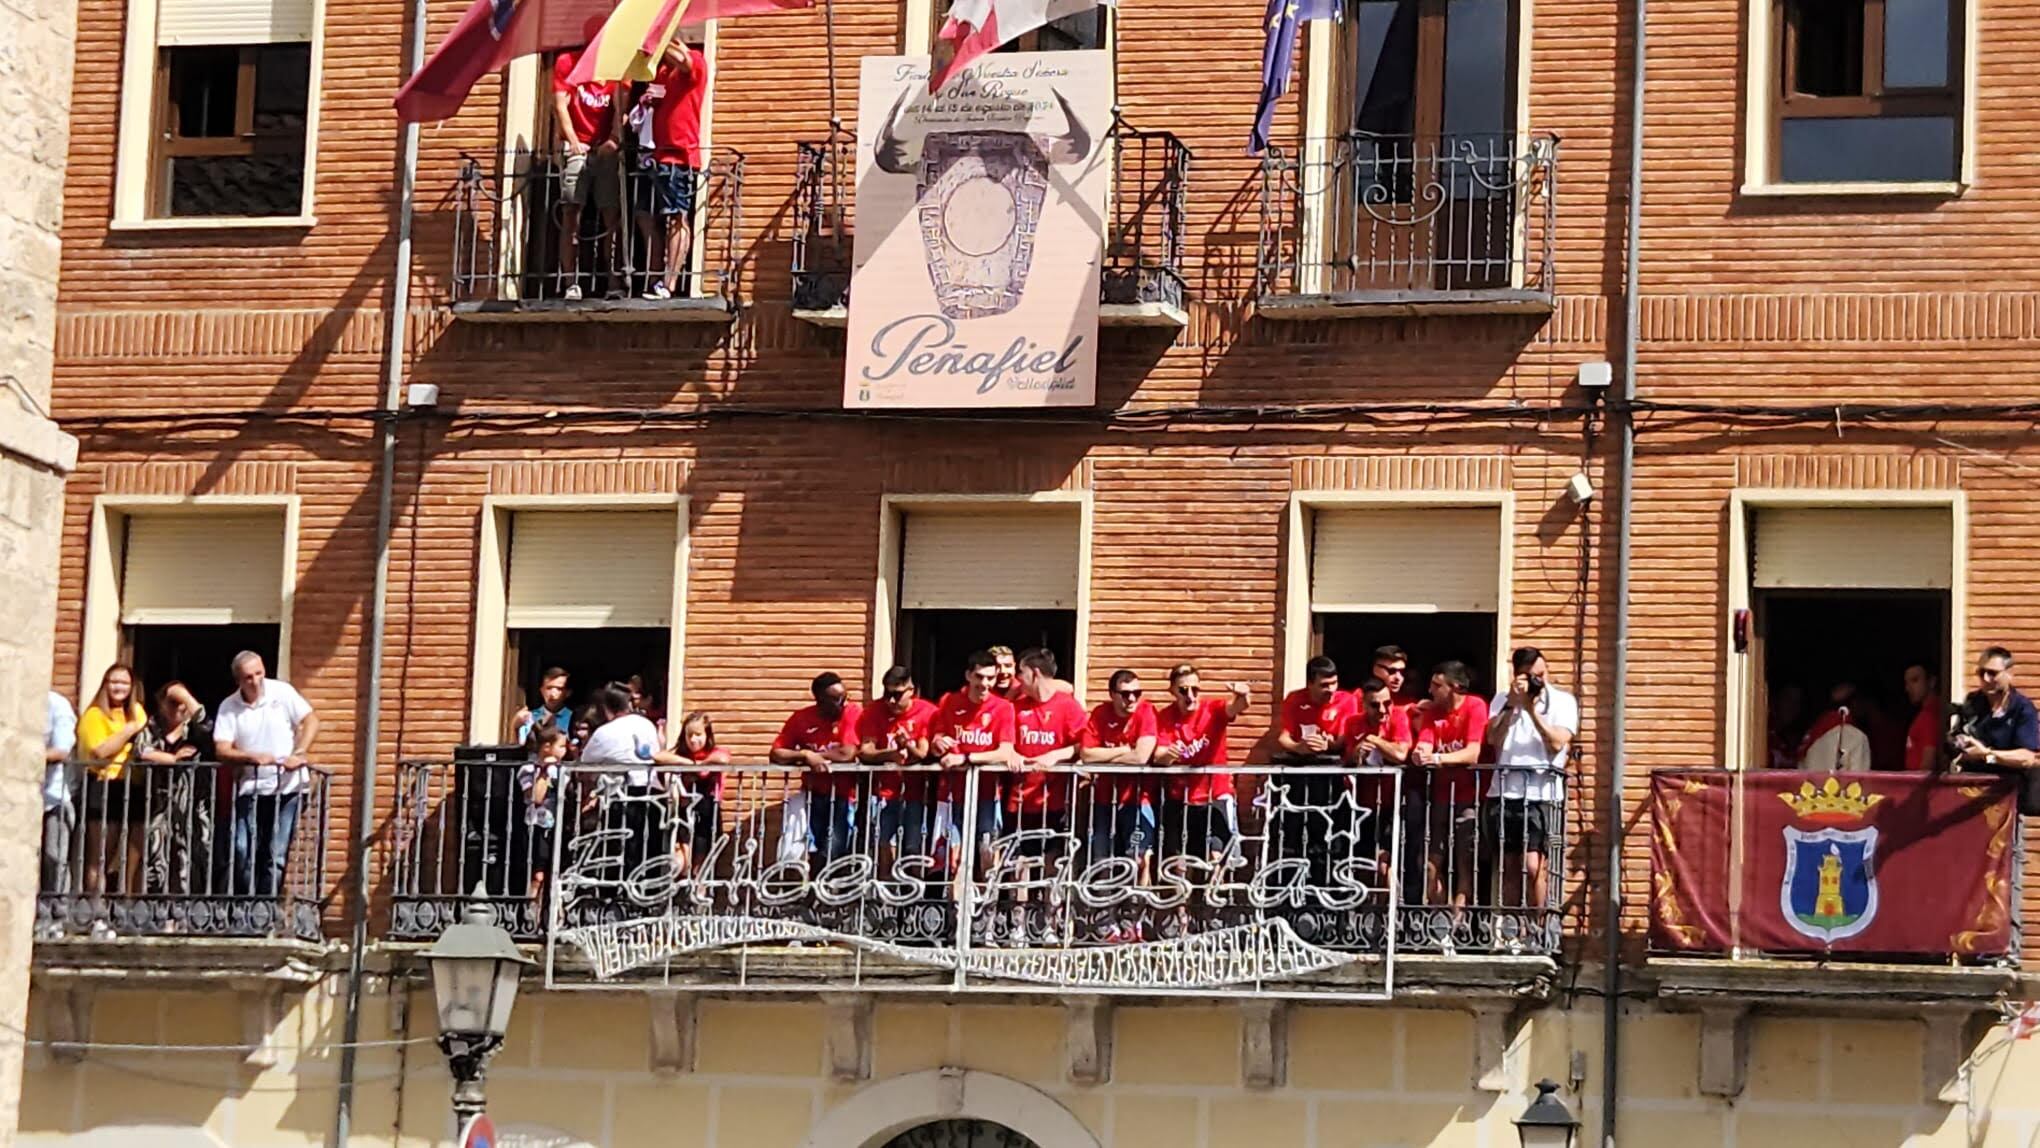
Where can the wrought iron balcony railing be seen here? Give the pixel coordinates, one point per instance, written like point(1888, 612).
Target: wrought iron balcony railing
point(1247, 879)
point(191, 849)
point(1142, 279)
point(511, 258)
point(1363, 223)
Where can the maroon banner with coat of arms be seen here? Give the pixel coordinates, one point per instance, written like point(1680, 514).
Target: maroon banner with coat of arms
point(1848, 862)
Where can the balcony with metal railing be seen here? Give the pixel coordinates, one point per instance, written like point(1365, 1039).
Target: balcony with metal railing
point(1263, 880)
point(1142, 277)
point(555, 238)
point(1370, 225)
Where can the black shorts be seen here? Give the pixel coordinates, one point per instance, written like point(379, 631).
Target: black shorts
point(1516, 825)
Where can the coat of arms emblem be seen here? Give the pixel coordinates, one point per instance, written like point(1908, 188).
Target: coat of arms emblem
point(1829, 891)
point(979, 196)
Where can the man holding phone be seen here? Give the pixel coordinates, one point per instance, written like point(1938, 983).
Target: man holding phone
point(1532, 731)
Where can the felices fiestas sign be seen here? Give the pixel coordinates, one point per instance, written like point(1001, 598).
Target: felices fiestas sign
point(980, 227)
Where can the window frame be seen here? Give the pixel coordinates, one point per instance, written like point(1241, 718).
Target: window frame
point(920, 20)
point(1769, 101)
point(140, 152)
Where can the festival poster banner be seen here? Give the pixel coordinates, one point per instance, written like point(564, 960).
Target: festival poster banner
point(980, 228)
point(1847, 862)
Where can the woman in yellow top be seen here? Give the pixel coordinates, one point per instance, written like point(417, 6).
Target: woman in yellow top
point(106, 739)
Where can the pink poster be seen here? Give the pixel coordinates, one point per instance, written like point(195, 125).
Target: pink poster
point(980, 225)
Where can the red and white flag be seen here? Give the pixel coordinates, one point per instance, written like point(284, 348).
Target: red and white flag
point(490, 34)
point(975, 27)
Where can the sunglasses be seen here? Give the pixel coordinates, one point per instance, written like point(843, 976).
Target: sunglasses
point(896, 695)
point(1186, 691)
point(1129, 695)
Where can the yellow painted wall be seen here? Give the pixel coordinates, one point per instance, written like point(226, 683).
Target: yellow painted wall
point(575, 1073)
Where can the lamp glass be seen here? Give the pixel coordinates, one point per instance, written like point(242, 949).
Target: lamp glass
point(507, 974)
point(1545, 1135)
point(465, 988)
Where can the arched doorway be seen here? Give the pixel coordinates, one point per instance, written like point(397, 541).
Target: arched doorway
point(960, 1134)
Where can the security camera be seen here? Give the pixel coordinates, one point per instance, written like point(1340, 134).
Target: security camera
point(1580, 489)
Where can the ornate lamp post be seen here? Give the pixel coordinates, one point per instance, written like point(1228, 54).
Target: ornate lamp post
point(475, 969)
point(1547, 1123)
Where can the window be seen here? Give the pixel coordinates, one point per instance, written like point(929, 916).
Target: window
point(971, 579)
point(1867, 91)
point(1086, 29)
point(1425, 579)
point(232, 129)
point(218, 110)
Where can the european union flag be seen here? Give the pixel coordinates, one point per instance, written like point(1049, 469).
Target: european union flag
point(1278, 58)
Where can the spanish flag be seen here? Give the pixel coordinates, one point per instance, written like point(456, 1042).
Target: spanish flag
point(636, 35)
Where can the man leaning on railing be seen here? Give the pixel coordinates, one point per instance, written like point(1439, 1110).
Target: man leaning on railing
point(266, 728)
point(1532, 732)
point(1998, 730)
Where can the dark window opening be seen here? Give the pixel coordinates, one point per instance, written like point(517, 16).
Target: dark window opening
point(1827, 54)
point(934, 644)
point(1821, 649)
point(202, 657)
point(592, 659)
point(1351, 639)
point(232, 129)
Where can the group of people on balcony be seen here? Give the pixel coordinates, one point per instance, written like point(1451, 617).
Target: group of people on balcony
point(888, 778)
point(634, 147)
point(1995, 730)
point(133, 796)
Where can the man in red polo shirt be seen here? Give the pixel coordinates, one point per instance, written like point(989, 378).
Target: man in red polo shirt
point(819, 736)
point(1120, 732)
point(591, 134)
point(973, 726)
point(1392, 666)
point(670, 159)
point(1314, 718)
point(1191, 731)
point(1451, 728)
point(1929, 726)
point(894, 730)
point(1312, 732)
point(1048, 725)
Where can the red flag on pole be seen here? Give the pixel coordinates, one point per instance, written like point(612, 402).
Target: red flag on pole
point(489, 35)
point(976, 27)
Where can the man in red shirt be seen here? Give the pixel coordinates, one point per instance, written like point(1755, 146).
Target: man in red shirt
point(1392, 665)
point(1311, 734)
point(1191, 731)
point(973, 726)
point(820, 736)
point(1120, 732)
point(1929, 726)
point(1048, 726)
point(591, 133)
point(1377, 737)
point(1450, 730)
point(670, 160)
point(894, 731)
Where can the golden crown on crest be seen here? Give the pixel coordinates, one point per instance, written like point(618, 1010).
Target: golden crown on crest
point(1832, 801)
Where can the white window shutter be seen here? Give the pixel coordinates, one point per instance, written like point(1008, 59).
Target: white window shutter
point(1854, 548)
point(1399, 560)
point(182, 23)
point(993, 558)
point(591, 569)
point(203, 569)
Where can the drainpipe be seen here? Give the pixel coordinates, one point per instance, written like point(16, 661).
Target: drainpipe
point(395, 346)
point(1618, 749)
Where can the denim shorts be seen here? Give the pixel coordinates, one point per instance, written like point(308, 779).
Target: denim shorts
point(664, 189)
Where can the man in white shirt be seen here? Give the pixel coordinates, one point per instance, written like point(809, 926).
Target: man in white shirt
point(628, 738)
point(1532, 731)
point(266, 728)
point(60, 737)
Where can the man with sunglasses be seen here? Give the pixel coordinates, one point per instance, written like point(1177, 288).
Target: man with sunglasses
point(1998, 730)
point(1378, 737)
point(1191, 730)
point(894, 731)
point(1392, 666)
point(1120, 732)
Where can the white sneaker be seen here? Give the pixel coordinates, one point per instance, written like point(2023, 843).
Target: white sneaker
point(573, 293)
point(659, 291)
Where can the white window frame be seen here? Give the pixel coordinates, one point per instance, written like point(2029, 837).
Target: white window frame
point(105, 556)
point(492, 584)
point(136, 125)
point(1321, 86)
point(1738, 676)
point(1760, 79)
point(892, 511)
point(1303, 505)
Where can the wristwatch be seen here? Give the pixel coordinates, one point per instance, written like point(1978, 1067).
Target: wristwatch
point(1990, 759)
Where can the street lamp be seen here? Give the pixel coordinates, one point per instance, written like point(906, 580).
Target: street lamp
point(1547, 1123)
point(475, 966)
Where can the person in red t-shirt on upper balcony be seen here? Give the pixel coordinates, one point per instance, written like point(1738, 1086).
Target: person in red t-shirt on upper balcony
point(1121, 732)
point(973, 726)
point(1191, 731)
point(895, 731)
point(1929, 725)
point(1451, 728)
point(670, 161)
point(1377, 737)
point(819, 736)
point(591, 133)
point(1392, 666)
point(1048, 726)
point(1312, 733)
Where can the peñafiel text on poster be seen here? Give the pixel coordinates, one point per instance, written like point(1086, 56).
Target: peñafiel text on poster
point(979, 232)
